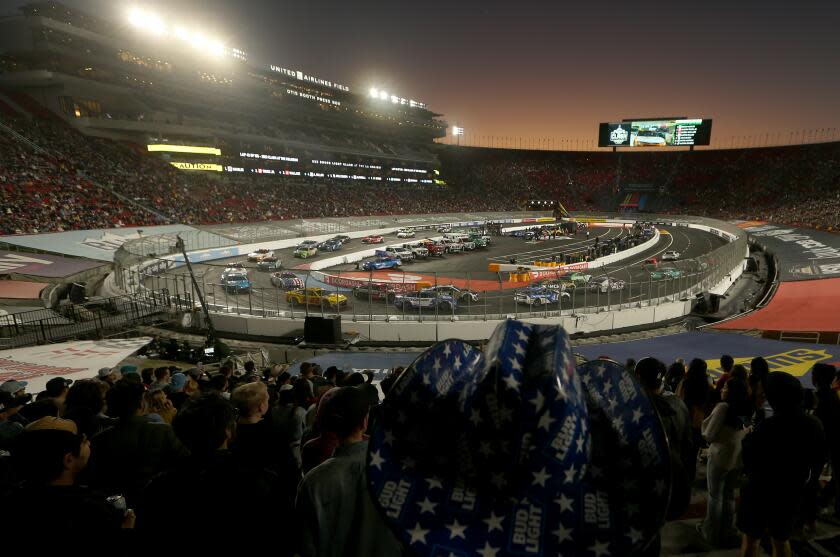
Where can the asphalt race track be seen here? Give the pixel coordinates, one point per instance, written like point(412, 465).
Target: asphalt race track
point(468, 269)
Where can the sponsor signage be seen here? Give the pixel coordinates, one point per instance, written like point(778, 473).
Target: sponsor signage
point(395, 285)
point(665, 132)
point(38, 364)
point(42, 265)
point(300, 76)
point(803, 254)
point(794, 358)
point(197, 166)
point(165, 148)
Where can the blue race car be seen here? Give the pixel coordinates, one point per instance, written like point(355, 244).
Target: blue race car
point(379, 263)
point(539, 296)
point(235, 281)
point(426, 299)
point(330, 245)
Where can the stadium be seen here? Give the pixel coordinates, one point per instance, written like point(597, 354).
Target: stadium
point(187, 230)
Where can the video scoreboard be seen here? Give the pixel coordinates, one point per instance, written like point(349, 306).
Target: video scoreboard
point(662, 132)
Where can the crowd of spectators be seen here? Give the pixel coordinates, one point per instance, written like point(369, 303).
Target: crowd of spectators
point(272, 452)
point(86, 182)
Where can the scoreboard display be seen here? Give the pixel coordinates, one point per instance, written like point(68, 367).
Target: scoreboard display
point(673, 132)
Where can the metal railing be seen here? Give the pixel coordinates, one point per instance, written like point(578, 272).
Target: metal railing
point(94, 320)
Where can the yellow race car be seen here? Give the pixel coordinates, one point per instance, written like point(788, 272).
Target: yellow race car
point(315, 297)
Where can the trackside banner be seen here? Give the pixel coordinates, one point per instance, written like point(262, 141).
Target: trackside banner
point(72, 360)
point(803, 254)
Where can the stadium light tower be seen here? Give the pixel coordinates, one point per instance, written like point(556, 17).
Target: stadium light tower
point(457, 132)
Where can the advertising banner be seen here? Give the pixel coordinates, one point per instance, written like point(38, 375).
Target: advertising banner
point(803, 254)
point(71, 360)
point(42, 265)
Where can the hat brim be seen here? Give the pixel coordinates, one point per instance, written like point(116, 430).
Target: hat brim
point(590, 473)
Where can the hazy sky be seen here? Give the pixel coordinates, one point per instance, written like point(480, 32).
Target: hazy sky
point(552, 68)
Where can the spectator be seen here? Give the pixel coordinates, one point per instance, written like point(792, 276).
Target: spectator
point(129, 453)
point(780, 456)
point(724, 430)
point(107, 375)
point(162, 377)
point(676, 372)
point(288, 415)
point(828, 412)
point(177, 395)
point(323, 444)
point(51, 455)
point(337, 489)
point(10, 428)
point(758, 373)
point(677, 423)
point(697, 395)
point(211, 490)
point(726, 363)
point(157, 404)
point(57, 389)
point(84, 405)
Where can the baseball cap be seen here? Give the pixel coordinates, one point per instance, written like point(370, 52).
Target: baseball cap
point(51, 423)
point(56, 386)
point(128, 368)
point(104, 372)
point(12, 386)
point(177, 382)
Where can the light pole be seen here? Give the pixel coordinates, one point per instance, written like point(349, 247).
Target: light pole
point(457, 132)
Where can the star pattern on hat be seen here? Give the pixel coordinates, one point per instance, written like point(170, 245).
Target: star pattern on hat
point(418, 534)
point(434, 482)
point(563, 534)
point(488, 550)
point(566, 503)
point(427, 506)
point(637, 415)
point(457, 530)
point(540, 477)
point(600, 549)
point(376, 459)
point(494, 522)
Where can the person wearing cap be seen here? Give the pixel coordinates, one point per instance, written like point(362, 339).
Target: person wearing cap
point(51, 455)
point(828, 412)
point(176, 393)
point(107, 375)
point(9, 428)
point(515, 450)
point(336, 490)
point(14, 388)
point(57, 389)
point(780, 457)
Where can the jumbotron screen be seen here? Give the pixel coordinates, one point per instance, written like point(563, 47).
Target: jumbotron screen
point(683, 132)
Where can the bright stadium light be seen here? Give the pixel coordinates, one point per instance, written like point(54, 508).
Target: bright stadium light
point(383, 95)
point(136, 18)
point(182, 33)
point(216, 48)
point(374, 92)
point(457, 131)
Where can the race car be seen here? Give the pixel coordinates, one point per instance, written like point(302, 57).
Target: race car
point(419, 250)
point(305, 252)
point(341, 238)
point(232, 266)
point(651, 261)
point(379, 263)
point(260, 254)
point(444, 228)
point(426, 299)
point(539, 296)
point(307, 244)
point(668, 273)
point(605, 284)
point(286, 280)
point(435, 249)
point(329, 245)
point(469, 245)
point(373, 240)
point(480, 241)
point(268, 264)
point(373, 291)
point(670, 256)
point(556, 284)
point(405, 233)
point(315, 297)
point(398, 252)
point(647, 138)
point(235, 281)
point(460, 294)
point(579, 279)
point(451, 246)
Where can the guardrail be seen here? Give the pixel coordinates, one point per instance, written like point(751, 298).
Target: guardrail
point(713, 271)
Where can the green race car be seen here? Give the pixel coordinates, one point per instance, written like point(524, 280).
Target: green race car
point(305, 252)
point(665, 274)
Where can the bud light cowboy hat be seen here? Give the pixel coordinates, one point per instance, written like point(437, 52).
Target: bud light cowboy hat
point(517, 452)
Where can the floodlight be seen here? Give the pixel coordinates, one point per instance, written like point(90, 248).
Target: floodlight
point(155, 25)
point(373, 92)
point(182, 33)
point(135, 17)
point(216, 48)
point(198, 40)
point(383, 95)
point(395, 99)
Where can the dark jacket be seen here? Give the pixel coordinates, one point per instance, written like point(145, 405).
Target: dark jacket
point(215, 493)
point(828, 412)
point(124, 458)
point(783, 453)
point(59, 509)
point(676, 421)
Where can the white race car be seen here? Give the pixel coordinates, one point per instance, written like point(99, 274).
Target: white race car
point(648, 138)
point(405, 233)
point(670, 256)
point(260, 254)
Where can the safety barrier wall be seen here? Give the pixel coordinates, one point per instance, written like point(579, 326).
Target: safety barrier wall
point(654, 300)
